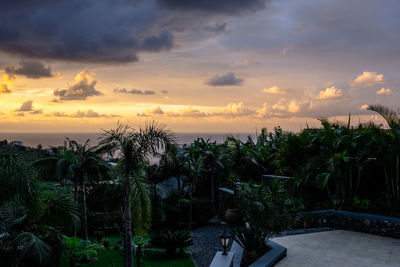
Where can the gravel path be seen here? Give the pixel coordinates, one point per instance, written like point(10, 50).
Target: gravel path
point(206, 243)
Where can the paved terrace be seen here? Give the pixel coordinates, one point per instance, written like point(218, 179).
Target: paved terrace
point(339, 249)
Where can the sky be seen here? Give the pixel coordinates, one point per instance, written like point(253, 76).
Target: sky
point(197, 66)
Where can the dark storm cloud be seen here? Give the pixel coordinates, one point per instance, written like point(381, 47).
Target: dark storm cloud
point(224, 80)
point(83, 31)
point(133, 91)
point(229, 7)
point(108, 31)
point(30, 69)
point(217, 28)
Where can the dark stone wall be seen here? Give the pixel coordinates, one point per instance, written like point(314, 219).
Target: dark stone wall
point(354, 221)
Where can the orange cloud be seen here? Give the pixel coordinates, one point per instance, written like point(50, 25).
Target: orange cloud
point(6, 85)
point(368, 78)
point(330, 93)
point(273, 90)
point(293, 107)
point(384, 91)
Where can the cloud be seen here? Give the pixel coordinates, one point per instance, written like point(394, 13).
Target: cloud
point(6, 85)
point(155, 111)
point(90, 113)
point(384, 91)
point(330, 93)
point(27, 106)
point(228, 7)
point(273, 90)
point(133, 91)
point(293, 106)
point(264, 111)
point(285, 108)
point(364, 107)
point(234, 110)
point(59, 114)
point(368, 79)
point(224, 80)
point(36, 111)
point(83, 87)
point(164, 91)
point(230, 110)
point(4, 89)
point(143, 114)
point(217, 28)
point(30, 69)
point(188, 112)
point(86, 114)
point(117, 30)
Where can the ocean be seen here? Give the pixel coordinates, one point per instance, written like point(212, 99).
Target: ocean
point(57, 139)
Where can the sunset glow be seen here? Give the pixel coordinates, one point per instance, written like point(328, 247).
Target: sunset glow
point(225, 67)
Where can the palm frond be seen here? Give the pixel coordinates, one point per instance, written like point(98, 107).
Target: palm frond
point(392, 117)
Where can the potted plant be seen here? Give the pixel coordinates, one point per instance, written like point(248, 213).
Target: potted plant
point(254, 242)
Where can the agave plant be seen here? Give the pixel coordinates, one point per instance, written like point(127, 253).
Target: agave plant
point(252, 240)
point(170, 241)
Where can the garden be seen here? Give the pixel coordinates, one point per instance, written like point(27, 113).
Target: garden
point(135, 197)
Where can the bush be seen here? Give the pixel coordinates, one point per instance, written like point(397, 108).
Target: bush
point(170, 241)
point(271, 207)
point(252, 240)
point(80, 251)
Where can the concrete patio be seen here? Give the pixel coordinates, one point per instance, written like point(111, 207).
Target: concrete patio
point(339, 248)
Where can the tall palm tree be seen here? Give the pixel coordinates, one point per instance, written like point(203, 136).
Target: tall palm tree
point(134, 148)
point(81, 164)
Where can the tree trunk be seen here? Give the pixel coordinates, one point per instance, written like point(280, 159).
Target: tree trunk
point(84, 216)
point(76, 202)
point(127, 226)
point(190, 206)
point(139, 255)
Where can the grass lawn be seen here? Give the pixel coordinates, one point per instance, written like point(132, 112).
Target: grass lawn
point(107, 257)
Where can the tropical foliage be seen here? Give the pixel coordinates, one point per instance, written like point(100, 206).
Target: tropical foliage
point(47, 195)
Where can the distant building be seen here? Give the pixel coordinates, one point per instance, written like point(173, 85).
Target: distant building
point(17, 143)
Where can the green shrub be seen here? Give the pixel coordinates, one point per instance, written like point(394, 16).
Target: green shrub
point(79, 250)
point(271, 207)
point(252, 240)
point(170, 241)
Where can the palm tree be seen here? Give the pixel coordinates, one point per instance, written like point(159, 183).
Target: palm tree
point(81, 164)
point(134, 148)
point(29, 215)
point(391, 169)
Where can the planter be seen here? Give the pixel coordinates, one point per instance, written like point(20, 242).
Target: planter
point(233, 216)
point(272, 257)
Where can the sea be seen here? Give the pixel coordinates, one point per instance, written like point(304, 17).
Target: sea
point(47, 140)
